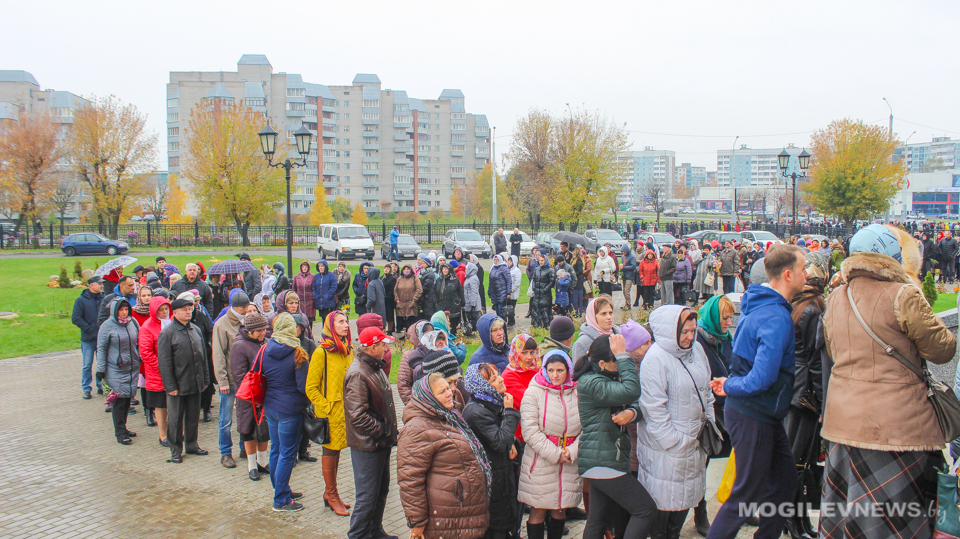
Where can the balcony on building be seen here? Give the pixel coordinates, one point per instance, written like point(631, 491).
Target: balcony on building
point(370, 183)
point(370, 196)
point(371, 134)
point(462, 129)
point(329, 159)
point(403, 196)
point(373, 172)
point(370, 159)
point(330, 183)
point(369, 146)
point(458, 153)
point(481, 133)
point(403, 148)
point(402, 125)
point(373, 121)
point(401, 136)
point(402, 161)
point(460, 175)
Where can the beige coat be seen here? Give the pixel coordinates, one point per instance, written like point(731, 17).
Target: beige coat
point(224, 336)
point(874, 402)
point(407, 293)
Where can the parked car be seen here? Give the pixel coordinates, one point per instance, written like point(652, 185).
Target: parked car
point(660, 238)
point(344, 241)
point(526, 243)
point(407, 247)
point(87, 243)
point(545, 241)
point(722, 237)
point(468, 240)
point(698, 236)
point(764, 238)
point(598, 237)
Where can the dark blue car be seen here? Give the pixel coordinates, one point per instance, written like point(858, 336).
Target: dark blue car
point(87, 243)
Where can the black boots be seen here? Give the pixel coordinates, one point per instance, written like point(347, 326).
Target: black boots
point(796, 529)
point(700, 518)
point(151, 418)
point(554, 528)
point(535, 531)
point(206, 416)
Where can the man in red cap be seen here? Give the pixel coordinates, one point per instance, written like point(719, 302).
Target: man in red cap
point(371, 432)
point(373, 320)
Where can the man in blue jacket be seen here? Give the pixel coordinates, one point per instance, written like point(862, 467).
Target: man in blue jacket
point(758, 394)
point(394, 240)
point(85, 311)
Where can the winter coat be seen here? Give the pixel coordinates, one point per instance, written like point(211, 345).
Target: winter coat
point(629, 269)
point(85, 310)
point(754, 255)
point(672, 467)
point(371, 419)
point(243, 354)
point(117, 353)
point(704, 267)
point(471, 289)
point(649, 271)
point(499, 243)
point(147, 344)
point(809, 372)
point(572, 273)
point(389, 291)
point(549, 411)
point(601, 393)
point(500, 283)
point(730, 260)
point(515, 241)
point(543, 281)
point(407, 293)
point(873, 401)
point(517, 382)
point(718, 354)
point(252, 284)
point(376, 294)
point(206, 295)
point(285, 382)
point(486, 353)
point(409, 362)
point(668, 267)
point(684, 271)
point(461, 272)
point(442, 486)
point(949, 248)
point(516, 279)
point(360, 285)
point(181, 356)
point(604, 269)
point(588, 334)
point(449, 294)
point(494, 427)
point(224, 336)
point(282, 283)
point(324, 288)
point(428, 286)
point(563, 294)
point(343, 287)
point(324, 387)
point(104, 312)
point(303, 287)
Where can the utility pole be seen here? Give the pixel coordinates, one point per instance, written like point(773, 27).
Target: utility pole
point(493, 175)
point(733, 152)
point(890, 131)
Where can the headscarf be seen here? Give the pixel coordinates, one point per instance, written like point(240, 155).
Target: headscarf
point(423, 393)
point(141, 308)
point(817, 273)
point(543, 378)
point(258, 303)
point(439, 322)
point(330, 341)
point(591, 319)
point(429, 339)
point(710, 319)
point(479, 387)
point(516, 346)
point(285, 332)
point(168, 270)
point(418, 329)
point(278, 267)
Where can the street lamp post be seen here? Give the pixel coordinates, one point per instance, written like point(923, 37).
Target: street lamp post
point(268, 143)
point(784, 159)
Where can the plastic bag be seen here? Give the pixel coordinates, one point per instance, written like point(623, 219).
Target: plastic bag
point(729, 476)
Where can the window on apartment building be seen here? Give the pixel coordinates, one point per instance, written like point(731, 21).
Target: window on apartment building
point(346, 141)
point(458, 169)
point(174, 161)
point(296, 106)
point(346, 166)
point(173, 131)
point(371, 166)
point(296, 92)
point(436, 115)
point(436, 137)
point(173, 102)
point(457, 116)
point(436, 126)
point(255, 102)
point(436, 203)
point(371, 102)
point(423, 125)
point(173, 116)
point(346, 115)
point(346, 153)
point(436, 192)
point(371, 115)
point(458, 147)
point(436, 169)
point(344, 128)
point(458, 138)
point(173, 147)
point(346, 103)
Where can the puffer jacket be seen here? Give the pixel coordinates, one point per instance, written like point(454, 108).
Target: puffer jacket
point(324, 388)
point(588, 334)
point(543, 280)
point(368, 404)
point(516, 279)
point(360, 287)
point(600, 393)
point(494, 427)
point(471, 289)
point(684, 271)
point(442, 486)
point(147, 344)
point(117, 354)
point(181, 355)
point(730, 260)
point(649, 270)
point(571, 272)
point(324, 288)
point(303, 287)
point(563, 291)
point(672, 467)
point(873, 401)
point(449, 293)
point(428, 295)
point(548, 415)
point(407, 293)
point(604, 269)
point(500, 283)
point(376, 294)
point(408, 362)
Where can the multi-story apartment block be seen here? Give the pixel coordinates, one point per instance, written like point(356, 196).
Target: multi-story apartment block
point(645, 166)
point(746, 167)
point(939, 154)
point(377, 147)
point(690, 176)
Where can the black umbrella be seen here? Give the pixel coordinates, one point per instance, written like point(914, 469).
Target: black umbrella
point(570, 237)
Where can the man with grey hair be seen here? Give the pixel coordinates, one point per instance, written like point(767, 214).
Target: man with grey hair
point(193, 280)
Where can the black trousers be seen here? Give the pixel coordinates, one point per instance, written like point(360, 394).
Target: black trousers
point(120, 409)
point(183, 422)
point(512, 320)
point(678, 290)
point(729, 283)
point(647, 293)
point(610, 496)
point(371, 479)
point(669, 524)
point(605, 288)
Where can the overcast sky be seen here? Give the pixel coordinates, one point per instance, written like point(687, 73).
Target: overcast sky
point(768, 71)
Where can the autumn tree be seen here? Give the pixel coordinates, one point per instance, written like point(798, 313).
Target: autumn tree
point(320, 211)
point(934, 164)
point(231, 179)
point(466, 198)
point(156, 200)
point(851, 173)
point(359, 216)
point(653, 191)
point(61, 198)
point(435, 214)
point(29, 151)
point(409, 217)
point(177, 204)
point(340, 207)
point(113, 152)
point(534, 153)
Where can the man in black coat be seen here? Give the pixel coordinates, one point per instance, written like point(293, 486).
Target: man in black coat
point(948, 252)
point(86, 308)
point(930, 254)
point(252, 284)
point(499, 242)
point(192, 280)
point(183, 369)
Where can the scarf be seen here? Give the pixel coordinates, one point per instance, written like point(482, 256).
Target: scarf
point(285, 332)
point(143, 309)
point(479, 387)
point(543, 378)
point(439, 322)
point(710, 319)
point(516, 346)
point(429, 339)
point(423, 393)
point(258, 303)
point(330, 341)
point(123, 321)
point(592, 319)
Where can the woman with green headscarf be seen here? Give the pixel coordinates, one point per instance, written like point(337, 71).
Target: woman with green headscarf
point(440, 323)
point(713, 334)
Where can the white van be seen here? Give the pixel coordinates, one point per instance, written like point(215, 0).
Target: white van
point(344, 241)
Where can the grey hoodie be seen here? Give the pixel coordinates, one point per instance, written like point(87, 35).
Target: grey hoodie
point(471, 289)
point(118, 352)
point(376, 294)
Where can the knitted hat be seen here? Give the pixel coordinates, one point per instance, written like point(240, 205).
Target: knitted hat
point(634, 334)
point(453, 264)
point(239, 299)
point(152, 277)
point(801, 243)
point(876, 239)
point(758, 274)
point(441, 361)
point(562, 328)
point(244, 256)
point(369, 320)
point(254, 322)
point(159, 258)
point(301, 320)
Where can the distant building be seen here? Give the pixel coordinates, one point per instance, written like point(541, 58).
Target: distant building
point(369, 144)
point(690, 176)
point(643, 167)
point(941, 153)
point(746, 167)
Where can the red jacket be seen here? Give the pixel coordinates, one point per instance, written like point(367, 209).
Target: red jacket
point(462, 273)
point(149, 333)
point(517, 383)
point(649, 271)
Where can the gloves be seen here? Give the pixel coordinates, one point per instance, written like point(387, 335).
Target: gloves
point(101, 376)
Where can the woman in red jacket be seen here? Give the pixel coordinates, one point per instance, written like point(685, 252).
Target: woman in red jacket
point(524, 364)
point(155, 397)
point(649, 271)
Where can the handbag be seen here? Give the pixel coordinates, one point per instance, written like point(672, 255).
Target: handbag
point(710, 437)
point(710, 279)
point(509, 311)
point(316, 428)
point(253, 387)
point(940, 395)
point(948, 504)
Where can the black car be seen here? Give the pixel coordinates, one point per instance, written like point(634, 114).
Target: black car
point(407, 247)
point(545, 241)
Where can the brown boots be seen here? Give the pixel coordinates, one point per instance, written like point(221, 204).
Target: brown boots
point(331, 498)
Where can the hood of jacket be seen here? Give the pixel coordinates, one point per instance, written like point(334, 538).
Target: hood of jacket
point(665, 322)
point(516, 261)
point(412, 273)
point(360, 271)
point(115, 306)
point(324, 264)
point(155, 304)
point(759, 296)
point(307, 262)
point(483, 327)
point(373, 274)
point(471, 269)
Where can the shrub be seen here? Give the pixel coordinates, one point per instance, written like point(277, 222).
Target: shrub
point(64, 279)
point(78, 270)
point(929, 288)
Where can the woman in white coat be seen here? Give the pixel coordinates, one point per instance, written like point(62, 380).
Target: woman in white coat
point(550, 422)
point(676, 402)
point(604, 271)
point(516, 277)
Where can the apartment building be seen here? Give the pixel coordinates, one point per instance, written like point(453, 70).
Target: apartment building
point(941, 153)
point(643, 167)
point(747, 167)
point(690, 176)
point(378, 147)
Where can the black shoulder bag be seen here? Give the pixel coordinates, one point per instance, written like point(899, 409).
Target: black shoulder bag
point(317, 429)
point(710, 437)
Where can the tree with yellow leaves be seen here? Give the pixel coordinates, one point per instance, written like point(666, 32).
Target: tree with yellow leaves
point(852, 174)
point(320, 212)
point(29, 151)
point(359, 216)
point(177, 205)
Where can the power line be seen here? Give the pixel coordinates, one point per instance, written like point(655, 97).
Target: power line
point(930, 127)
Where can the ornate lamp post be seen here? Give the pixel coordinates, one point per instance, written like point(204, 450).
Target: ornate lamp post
point(804, 159)
point(268, 143)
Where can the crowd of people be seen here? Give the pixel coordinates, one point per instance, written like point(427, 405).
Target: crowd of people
point(623, 419)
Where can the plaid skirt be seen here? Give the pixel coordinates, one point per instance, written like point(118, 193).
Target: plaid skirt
point(871, 494)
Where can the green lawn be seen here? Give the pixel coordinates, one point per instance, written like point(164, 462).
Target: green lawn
point(945, 302)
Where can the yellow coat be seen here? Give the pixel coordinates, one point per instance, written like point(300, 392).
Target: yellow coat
point(330, 407)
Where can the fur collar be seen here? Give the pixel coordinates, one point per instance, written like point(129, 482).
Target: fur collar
point(874, 266)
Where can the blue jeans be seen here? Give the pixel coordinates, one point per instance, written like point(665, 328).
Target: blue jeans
point(498, 308)
point(226, 420)
point(394, 251)
point(284, 442)
point(89, 350)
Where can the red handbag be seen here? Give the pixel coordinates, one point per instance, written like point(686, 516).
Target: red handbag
point(253, 388)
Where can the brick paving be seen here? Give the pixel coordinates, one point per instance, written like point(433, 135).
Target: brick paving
point(66, 476)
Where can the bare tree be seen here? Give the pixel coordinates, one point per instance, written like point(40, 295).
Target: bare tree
point(779, 201)
point(157, 199)
point(654, 192)
point(61, 198)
